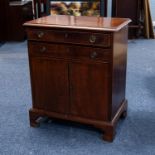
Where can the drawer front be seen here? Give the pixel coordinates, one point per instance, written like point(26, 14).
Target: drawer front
point(93, 39)
point(71, 52)
point(91, 53)
point(49, 50)
point(84, 38)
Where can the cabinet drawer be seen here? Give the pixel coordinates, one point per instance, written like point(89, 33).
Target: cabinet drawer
point(50, 50)
point(85, 38)
point(66, 51)
point(91, 53)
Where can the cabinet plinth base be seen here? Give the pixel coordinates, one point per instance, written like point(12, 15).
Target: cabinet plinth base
point(108, 128)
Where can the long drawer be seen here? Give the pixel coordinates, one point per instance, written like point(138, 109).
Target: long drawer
point(73, 37)
point(68, 51)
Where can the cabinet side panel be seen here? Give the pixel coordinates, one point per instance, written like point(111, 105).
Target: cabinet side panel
point(119, 68)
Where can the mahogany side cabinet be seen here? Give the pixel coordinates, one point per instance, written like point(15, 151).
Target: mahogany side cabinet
point(78, 70)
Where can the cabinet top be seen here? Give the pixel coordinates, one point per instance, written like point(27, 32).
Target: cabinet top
point(80, 22)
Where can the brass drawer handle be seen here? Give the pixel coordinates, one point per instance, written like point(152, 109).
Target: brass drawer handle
point(92, 39)
point(93, 55)
point(43, 49)
point(40, 34)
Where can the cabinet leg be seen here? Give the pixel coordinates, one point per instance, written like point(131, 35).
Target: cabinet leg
point(109, 134)
point(34, 119)
point(124, 114)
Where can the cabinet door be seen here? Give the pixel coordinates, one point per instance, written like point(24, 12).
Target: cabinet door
point(89, 90)
point(50, 84)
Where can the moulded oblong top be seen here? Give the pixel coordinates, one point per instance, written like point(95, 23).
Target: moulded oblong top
point(80, 22)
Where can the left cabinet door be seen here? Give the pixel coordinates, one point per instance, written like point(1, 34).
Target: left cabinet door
point(49, 78)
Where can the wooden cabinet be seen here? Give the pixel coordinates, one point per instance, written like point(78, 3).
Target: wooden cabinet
point(78, 70)
point(19, 12)
point(12, 16)
point(130, 9)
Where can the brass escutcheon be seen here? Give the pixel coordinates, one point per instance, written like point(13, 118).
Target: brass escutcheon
point(92, 39)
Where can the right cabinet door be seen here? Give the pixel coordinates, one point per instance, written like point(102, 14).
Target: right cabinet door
point(89, 90)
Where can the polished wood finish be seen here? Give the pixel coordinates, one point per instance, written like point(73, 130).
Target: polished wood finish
point(81, 79)
point(72, 22)
point(50, 89)
point(102, 39)
point(61, 51)
point(89, 85)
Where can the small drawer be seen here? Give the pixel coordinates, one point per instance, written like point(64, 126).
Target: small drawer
point(91, 53)
point(90, 39)
point(47, 35)
point(49, 50)
point(82, 38)
point(72, 52)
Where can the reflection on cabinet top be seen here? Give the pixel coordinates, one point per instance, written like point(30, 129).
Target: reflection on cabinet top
point(80, 22)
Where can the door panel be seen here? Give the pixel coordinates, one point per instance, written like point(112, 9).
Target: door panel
point(50, 84)
point(89, 90)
